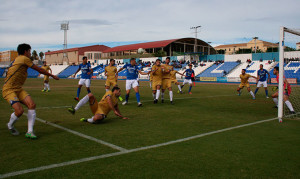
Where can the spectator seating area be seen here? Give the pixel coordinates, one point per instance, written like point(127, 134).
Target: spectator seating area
point(292, 70)
point(70, 70)
point(219, 70)
point(2, 70)
point(32, 73)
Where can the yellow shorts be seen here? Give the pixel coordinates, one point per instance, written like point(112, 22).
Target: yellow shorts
point(156, 83)
point(166, 83)
point(112, 82)
point(46, 78)
point(242, 85)
point(95, 108)
point(174, 81)
point(14, 96)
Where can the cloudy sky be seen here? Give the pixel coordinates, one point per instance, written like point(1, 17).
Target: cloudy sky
point(117, 22)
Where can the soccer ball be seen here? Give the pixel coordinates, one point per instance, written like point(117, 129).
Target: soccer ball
point(140, 51)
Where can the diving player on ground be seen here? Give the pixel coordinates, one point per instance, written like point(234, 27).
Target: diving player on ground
point(109, 102)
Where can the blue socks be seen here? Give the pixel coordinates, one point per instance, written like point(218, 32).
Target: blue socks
point(78, 92)
point(190, 88)
point(266, 92)
point(89, 91)
point(127, 97)
point(255, 91)
point(137, 95)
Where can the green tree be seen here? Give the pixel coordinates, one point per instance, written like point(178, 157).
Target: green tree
point(243, 51)
point(160, 53)
point(221, 51)
point(34, 55)
point(41, 54)
point(272, 49)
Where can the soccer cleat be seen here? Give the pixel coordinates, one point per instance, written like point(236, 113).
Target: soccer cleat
point(30, 135)
point(155, 101)
point(124, 103)
point(181, 92)
point(178, 91)
point(13, 131)
point(190, 92)
point(275, 107)
point(253, 98)
point(43, 90)
point(77, 99)
point(292, 112)
point(72, 110)
point(162, 101)
point(48, 90)
point(267, 97)
point(83, 120)
point(120, 98)
point(172, 103)
point(140, 104)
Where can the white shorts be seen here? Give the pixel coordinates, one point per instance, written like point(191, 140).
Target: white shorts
point(85, 82)
point(185, 81)
point(262, 83)
point(131, 84)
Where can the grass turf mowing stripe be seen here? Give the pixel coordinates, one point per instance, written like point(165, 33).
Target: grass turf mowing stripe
point(128, 151)
point(81, 135)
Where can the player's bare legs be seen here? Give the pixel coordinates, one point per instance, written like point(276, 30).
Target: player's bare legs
point(157, 94)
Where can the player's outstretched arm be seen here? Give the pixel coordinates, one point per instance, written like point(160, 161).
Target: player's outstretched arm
point(118, 110)
point(42, 71)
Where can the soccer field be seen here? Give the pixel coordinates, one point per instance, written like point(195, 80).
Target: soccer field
point(212, 133)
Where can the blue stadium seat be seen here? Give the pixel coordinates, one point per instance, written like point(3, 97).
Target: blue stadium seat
point(220, 68)
point(2, 70)
point(70, 70)
point(32, 73)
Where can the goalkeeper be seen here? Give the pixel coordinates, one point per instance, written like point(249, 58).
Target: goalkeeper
point(286, 93)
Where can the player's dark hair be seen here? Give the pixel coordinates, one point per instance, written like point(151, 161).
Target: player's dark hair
point(244, 69)
point(22, 48)
point(277, 68)
point(111, 60)
point(158, 59)
point(115, 88)
point(84, 57)
point(132, 59)
point(168, 58)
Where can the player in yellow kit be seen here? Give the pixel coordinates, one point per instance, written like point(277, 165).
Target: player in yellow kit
point(244, 82)
point(174, 80)
point(112, 75)
point(46, 77)
point(109, 102)
point(157, 79)
point(15, 95)
point(166, 80)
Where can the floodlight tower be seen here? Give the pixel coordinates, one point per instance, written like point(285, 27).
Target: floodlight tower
point(196, 32)
point(65, 26)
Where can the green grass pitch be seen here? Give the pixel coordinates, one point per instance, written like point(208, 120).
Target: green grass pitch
point(263, 150)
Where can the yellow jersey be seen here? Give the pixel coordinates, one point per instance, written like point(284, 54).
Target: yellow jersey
point(111, 72)
point(103, 104)
point(157, 76)
point(244, 78)
point(17, 73)
point(173, 74)
point(47, 68)
point(167, 67)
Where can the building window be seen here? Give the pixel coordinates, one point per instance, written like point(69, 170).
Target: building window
point(97, 56)
point(90, 56)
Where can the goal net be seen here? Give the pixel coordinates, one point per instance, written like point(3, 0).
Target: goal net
point(289, 69)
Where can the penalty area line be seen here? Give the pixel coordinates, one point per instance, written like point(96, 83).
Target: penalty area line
point(81, 135)
point(37, 169)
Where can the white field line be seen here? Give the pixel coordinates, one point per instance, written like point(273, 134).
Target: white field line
point(82, 135)
point(57, 107)
point(128, 151)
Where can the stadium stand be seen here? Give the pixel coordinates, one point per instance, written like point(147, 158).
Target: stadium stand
point(32, 73)
point(251, 68)
point(202, 67)
point(219, 70)
point(56, 69)
point(2, 70)
point(70, 70)
point(292, 70)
